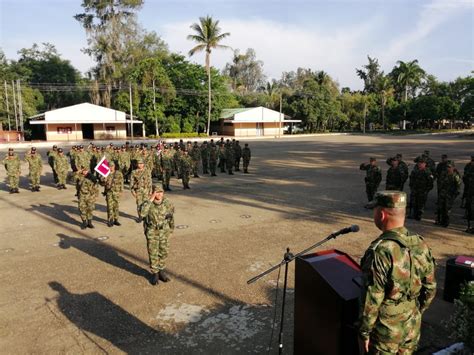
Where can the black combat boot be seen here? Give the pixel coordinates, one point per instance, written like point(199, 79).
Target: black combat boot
point(89, 223)
point(12, 191)
point(64, 187)
point(163, 276)
point(17, 191)
point(110, 223)
point(139, 220)
point(117, 223)
point(84, 224)
point(155, 279)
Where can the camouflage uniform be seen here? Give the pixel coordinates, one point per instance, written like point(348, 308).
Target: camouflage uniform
point(12, 166)
point(421, 183)
point(140, 185)
point(177, 162)
point(124, 163)
point(158, 224)
point(196, 158)
point(404, 168)
point(205, 158)
point(222, 156)
point(61, 167)
point(237, 155)
point(52, 153)
point(113, 187)
point(167, 167)
point(246, 156)
point(372, 179)
point(399, 285)
point(186, 167)
point(88, 191)
point(36, 167)
point(395, 177)
point(229, 158)
point(449, 185)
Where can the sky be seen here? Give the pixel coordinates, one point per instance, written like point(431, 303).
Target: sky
point(331, 35)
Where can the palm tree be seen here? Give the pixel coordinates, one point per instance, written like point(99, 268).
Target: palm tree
point(207, 35)
point(408, 75)
point(384, 87)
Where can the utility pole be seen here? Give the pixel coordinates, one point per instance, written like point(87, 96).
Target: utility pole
point(7, 105)
point(279, 131)
point(157, 132)
point(131, 113)
point(14, 105)
point(365, 112)
point(20, 110)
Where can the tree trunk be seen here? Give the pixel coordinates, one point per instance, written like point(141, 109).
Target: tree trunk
point(208, 65)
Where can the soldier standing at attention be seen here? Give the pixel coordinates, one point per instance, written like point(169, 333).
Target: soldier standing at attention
point(237, 155)
point(421, 183)
point(229, 157)
point(61, 167)
point(140, 185)
point(166, 166)
point(395, 178)
point(213, 153)
point(186, 167)
point(205, 157)
point(88, 190)
point(372, 179)
point(12, 166)
point(36, 167)
point(158, 215)
point(449, 186)
point(222, 155)
point(113, 187)
point(404, 167)
point(246, 156)
point(399, 281)
point(51, 155)
point(195, 153)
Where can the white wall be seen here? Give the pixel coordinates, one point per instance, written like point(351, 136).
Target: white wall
point(258, 114)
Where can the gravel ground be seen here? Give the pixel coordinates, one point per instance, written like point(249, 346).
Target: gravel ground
point(65, 290)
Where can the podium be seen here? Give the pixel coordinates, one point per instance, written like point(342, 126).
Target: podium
point(457, 273)
point(327, 290)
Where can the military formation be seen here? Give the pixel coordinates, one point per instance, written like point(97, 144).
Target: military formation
point(421, 180)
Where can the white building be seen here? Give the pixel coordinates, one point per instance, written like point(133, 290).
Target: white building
point(84, 121)
point(252, 121)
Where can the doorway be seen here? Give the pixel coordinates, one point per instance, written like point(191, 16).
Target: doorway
point(87, 131)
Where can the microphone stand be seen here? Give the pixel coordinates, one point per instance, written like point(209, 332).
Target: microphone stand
point(288, 258)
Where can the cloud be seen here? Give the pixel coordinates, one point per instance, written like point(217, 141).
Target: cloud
point(284, 47)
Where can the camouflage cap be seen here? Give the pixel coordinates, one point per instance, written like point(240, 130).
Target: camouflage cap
point(450, 164)
point(111, 163)
point(157, 188)
point(10, 149)
point(372, 159)
point(389, 199)
point(140, 161)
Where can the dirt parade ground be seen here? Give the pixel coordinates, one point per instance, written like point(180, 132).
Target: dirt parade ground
point(67, 290)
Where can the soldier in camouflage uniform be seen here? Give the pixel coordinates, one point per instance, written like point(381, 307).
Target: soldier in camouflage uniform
point(113, 187)
point(221, 154)
point(177, 160)
point(404, 167)
point(237, 155)
point(124, 162)
point(421, 183)
point(140, 185)
point(373, 177)
point(246, 156)
point(468, 179)
point(167, 166)
point(12, 166)
point(449, 186)
point(195, 154)
point(229, 157)
point(395, 175)
point(213, 153)
point(61, 167)
point(51, 155)
point(205, 157)
point(399, 281)
point(88, 191)
point(35, 164)
point(158, 215)
point(186, 168)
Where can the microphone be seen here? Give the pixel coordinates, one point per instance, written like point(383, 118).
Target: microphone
point(352, 229)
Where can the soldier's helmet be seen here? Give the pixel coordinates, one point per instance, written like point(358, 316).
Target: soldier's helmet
point(389, 199)
point(157, 188)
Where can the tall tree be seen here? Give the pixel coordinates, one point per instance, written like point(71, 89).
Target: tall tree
point(245, 71)
point(207, 35)
point(385, 90)
point(370, 74)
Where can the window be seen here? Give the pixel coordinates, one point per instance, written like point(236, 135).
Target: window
point(64, 130)
point(110, 129)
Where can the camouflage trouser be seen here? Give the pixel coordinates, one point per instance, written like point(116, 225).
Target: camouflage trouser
point(113, 201)
point(370, 190)
point(213, 166)
point(55, 175)
point(246, 163)
point(418, 203)
point(86, 207)
point(195, 167)
point(14, 181)
point(185, 177)
point(205, 166)
point(397, 330)
point(222, 164)
point(469, 209)
point(61, 177)
point(229, 165)
point(140, 197)
point(237, 164)
point(445, 203)
point(177, 168)
point(158, 247)
point(35, 179)
point(166, 177)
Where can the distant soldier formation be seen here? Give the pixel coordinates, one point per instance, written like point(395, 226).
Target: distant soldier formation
point(421, 181)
